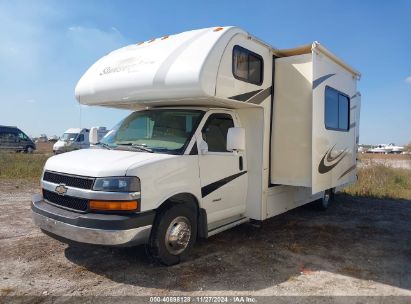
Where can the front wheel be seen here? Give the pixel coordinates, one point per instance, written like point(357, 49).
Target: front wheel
point(173, 235)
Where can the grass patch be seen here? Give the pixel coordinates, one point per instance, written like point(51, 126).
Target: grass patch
point(19, 166)
point(381, 181)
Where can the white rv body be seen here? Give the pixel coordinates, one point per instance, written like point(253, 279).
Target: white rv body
point(290, 156)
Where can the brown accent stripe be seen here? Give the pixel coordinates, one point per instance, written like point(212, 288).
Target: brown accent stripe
point(348, 171)
point(260, 97)
point(245, 96)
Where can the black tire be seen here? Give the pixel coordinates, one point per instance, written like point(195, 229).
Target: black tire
point(29, 149)
point(175, 218)
point(323, 203)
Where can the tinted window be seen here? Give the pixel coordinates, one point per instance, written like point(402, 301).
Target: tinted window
point(8, 137)
point(331, 109)
point(23, 136)
point(215, 132)
point(80, 138)
point(247, 66)
point(336, 112)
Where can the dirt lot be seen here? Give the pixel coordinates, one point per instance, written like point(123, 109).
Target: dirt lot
point(358, 247)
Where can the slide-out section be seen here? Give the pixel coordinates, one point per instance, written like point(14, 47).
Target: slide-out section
point(315, 120)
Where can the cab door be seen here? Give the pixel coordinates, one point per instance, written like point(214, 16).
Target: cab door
point(223, 174)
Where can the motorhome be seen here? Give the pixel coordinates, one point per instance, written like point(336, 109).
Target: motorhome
point(75, 139)
point(225, 129)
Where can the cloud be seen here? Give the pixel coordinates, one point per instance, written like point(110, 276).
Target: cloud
point(408, 80)
point(43, 53)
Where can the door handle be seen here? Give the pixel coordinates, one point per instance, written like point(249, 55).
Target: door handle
point(240, 163)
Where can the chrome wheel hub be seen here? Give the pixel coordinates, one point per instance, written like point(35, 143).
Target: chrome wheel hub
point(178, 235)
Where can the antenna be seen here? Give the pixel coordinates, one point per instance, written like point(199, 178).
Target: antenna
point(80, 116)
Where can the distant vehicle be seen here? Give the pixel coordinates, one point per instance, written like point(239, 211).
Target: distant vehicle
point(100, 132)
point(53, 138)
point(42, 138)
point(395, 149)
point(12, 138)
point(385, 149)
point(72, 139)
point(76, 139)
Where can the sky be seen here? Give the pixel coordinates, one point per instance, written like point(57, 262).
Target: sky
point(46, 46)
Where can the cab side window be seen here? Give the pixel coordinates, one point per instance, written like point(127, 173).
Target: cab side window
point(22, 136)
point(80, 138)
point(215, 132)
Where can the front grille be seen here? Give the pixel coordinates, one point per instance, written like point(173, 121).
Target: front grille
point(69, 180)
point(70, 202)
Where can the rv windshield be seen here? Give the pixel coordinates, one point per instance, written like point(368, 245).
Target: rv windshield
point(161, 131)
point(68, 136)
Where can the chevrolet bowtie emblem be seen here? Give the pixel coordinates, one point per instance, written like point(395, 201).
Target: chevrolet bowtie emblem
point(61, 189)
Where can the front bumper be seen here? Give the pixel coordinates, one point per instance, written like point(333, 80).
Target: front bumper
point(92, 228)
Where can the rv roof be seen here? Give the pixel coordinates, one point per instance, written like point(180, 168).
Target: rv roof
point(316, 46)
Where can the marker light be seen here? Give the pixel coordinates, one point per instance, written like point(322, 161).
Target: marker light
point(165, 37)
point(218, 29)
point(114, 205)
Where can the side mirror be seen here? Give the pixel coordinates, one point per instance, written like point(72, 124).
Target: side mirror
point(236, 139)
point(93, 136)
point(203, 147)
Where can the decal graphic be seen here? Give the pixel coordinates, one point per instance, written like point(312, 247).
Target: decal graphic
point(206, 190)
point(348, 171)
point(255, 97)
point(332, 161)
point(321, 79)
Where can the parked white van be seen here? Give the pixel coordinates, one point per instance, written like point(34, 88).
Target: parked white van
point(225, 129)
point(72, 139)
point(76, 138)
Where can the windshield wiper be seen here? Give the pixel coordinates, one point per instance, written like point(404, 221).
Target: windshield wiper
point(104, 145)
point(137, 147)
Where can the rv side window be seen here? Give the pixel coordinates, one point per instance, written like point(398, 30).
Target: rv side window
point(247, 66)
point(337, 110)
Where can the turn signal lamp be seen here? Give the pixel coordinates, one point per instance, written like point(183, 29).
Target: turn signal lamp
point(218, 29)
point(113, 205)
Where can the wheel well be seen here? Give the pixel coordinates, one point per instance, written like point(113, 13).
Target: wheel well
point(191, 201)
point(182, 198)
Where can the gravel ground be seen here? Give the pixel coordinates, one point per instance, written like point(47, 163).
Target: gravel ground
point(358, 247)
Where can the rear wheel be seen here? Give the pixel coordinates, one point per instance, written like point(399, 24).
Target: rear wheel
point(29, 149)
point(173, 235)
point(324, 202)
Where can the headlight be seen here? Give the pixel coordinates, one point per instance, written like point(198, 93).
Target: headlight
point(117, 184)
